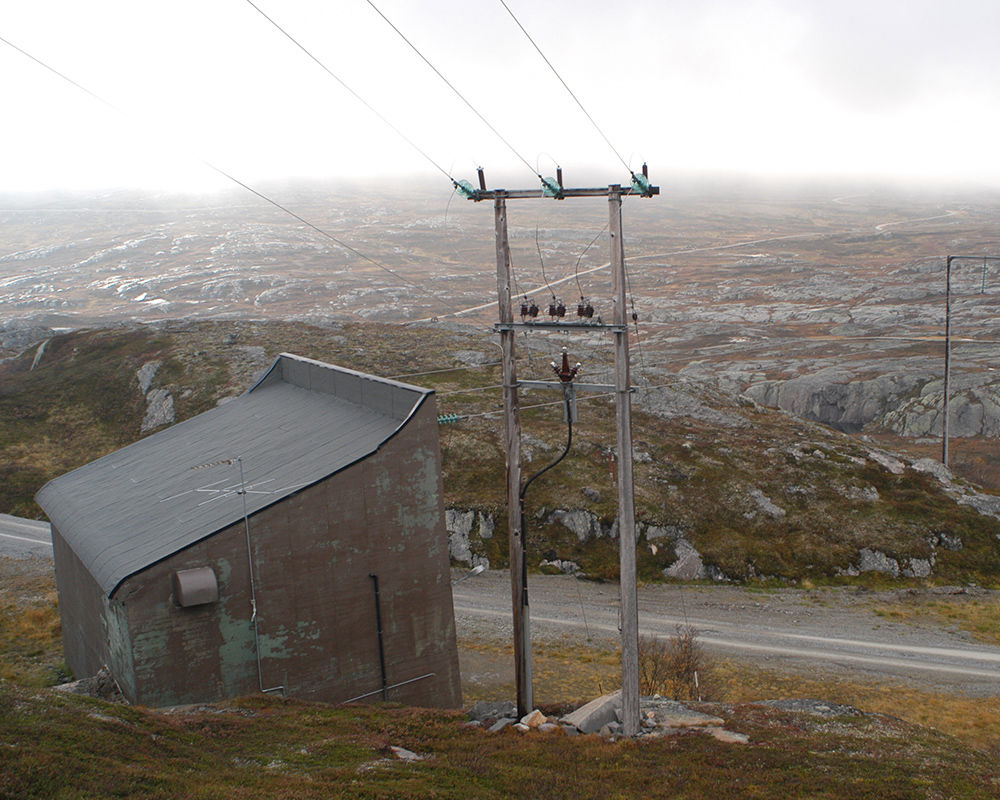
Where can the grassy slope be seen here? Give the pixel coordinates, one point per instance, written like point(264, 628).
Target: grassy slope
point(52, 745)
point(698, 471)
point(57, 746)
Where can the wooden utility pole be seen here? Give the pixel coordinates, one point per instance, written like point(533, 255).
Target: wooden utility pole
point(507, 327)
point(629, 607)
point(512, 438)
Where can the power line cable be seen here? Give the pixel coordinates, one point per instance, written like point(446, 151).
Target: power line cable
point(352, 92)
point(566, 87)
point(249, 188)
point(576, 269)
point(66, 78)
point(440, 371)
point(635, 320)
point(536, 405)
point(462, 97)
point(542, 262)
point(468, 391)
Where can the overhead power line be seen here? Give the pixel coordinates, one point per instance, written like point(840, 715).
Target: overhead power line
point(566, 87)
point(249, 188)
point(352, 92)
point(461, 96)
point(66, 78)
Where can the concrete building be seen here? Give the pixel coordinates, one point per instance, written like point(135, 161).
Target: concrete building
point(291, 540)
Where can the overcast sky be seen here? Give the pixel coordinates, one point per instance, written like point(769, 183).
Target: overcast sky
point(886, 88)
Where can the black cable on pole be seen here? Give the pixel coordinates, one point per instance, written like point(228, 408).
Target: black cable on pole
point(565, 452)
point(250, 189)
point(524, 490)
point(566, 87)
point(461, 97)
point(352, 92)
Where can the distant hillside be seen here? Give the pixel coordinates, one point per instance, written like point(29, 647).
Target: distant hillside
point(725, 489)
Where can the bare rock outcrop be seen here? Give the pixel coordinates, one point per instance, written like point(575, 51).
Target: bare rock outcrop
point(834, 397)
point(464, 527)
point(908, 404)
point(159, 402)
point(973, 408)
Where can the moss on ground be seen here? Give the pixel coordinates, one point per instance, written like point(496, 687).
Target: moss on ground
point(65, 746)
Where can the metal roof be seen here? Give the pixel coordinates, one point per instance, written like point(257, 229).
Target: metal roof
point(300, 423)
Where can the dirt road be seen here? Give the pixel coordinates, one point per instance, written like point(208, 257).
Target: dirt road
point(832, 630)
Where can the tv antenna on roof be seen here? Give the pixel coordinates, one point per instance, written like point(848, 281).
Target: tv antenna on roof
point(220, 489)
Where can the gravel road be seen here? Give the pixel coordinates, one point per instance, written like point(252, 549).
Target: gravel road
point(830, 631)
point(20, 537)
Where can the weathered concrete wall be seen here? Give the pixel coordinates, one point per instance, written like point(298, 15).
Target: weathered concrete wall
point(82, 609)
point(198, 654)
point(313, 555)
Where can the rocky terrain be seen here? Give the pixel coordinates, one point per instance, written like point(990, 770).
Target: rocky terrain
point(726, 489)
point(836, 292)
point(824, 302)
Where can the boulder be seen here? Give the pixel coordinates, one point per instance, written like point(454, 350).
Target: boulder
point(484, 710)
point(935, 468)
point(582, 523)
point(593, 716)
point(875, 561)
point(566, 567)
point(533, 719)
point(917, 568)
point(405, 755)
point(729, 737)
point(671, 714)
point(894, 465)
point(764, 504)
point(688, 565)
point(986, 504)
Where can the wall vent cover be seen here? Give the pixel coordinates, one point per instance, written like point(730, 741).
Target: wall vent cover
point(195, 587)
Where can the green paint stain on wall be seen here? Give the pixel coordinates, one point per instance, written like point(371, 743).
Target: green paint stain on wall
point(237, 659)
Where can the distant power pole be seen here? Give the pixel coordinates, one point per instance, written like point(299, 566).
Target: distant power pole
point(946, 390)
point(507, 328)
